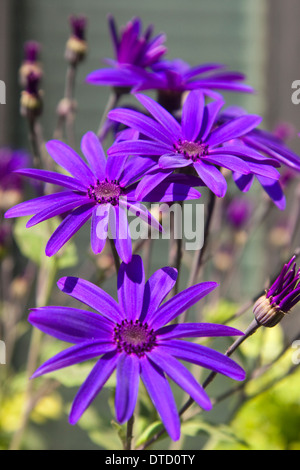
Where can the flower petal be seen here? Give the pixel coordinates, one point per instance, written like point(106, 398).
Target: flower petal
point(190, 330)
point(93, 296)
point(138, 147)
point(93, 151)
point(74, 355)
point(156, 289)
point(128, 375)
point(181, 302)
point(93, 385)
point(120, 232)
point(233, 129)
point(68, 227)
point(192, 115)
point(54, 178)
point(161, 396)
point(182, 376)
point(99, 227)
point(274, 190)
point(70, 324)
point(212, 177)
point(66, 157)
point(131, 284)
point(229, 161)
point(203, 356)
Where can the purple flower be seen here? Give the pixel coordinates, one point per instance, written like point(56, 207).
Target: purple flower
point(238, 212)
point(178, 76)
point(195, 142)
point(103, 192)
point(135, 52)
point(131, 337)
point(280, 298)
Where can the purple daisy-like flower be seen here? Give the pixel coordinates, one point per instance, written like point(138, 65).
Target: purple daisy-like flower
point(195, 142)
point(280, 298)
point(135, 52)
point(131, 337)
point(103, 191)
point(269, 144)
point(177, 76)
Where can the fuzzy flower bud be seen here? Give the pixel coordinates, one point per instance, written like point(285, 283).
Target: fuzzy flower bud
point(279, 299)
point(76, 47)
point(31, 62)
point(31, 97)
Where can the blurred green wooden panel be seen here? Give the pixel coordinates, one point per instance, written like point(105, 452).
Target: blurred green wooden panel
point(228, 31)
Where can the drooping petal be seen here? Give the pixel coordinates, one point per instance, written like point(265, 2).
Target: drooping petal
point(93, 296)
point(212, 177)
point(74, 355)
point(161, 396)
point(203, 356)
point(128, 375)
point(66, 157)
point(157, 288)
point(68, 227)
point(93, 385)
point(243, 182)
point(274, 190)
point(182, 376)
point(93, 151)
point(229, 161)
point(190, 330)
point(70, 324)
point(181, 302)
point(131, 284)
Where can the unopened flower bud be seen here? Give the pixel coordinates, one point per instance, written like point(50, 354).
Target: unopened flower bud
point(76, 47)
point(279, 299)
point(31, 97)
point(31, 62)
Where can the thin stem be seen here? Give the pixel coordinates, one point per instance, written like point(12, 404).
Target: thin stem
point(115, 255)
point(129, 433)
point(111, 104)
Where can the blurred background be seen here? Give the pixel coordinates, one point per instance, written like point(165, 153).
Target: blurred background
point(257, 37)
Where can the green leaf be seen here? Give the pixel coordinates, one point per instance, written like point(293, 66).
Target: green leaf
point(150, 432)
point(32, 242)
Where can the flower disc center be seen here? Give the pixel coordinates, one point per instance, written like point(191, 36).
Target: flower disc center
point(105, 191)
point(134, 337)
point(192, 150)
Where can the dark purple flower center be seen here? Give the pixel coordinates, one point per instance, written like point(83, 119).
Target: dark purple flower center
point(191, 150)
point(105, 191)
point(134, 337)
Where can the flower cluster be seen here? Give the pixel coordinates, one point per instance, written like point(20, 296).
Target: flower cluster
point(164, 150)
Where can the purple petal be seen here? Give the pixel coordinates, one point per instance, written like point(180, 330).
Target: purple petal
point(93, 296)
point(210, 114)
point(233, 129)
point(203, 356)
point(192, 115)
point(141, 211)
point(120, 232)
point(54, 178)
point(74, 355)
point(131, 284)
point(139, 147)
point(181, 302)
point(212, 177)
point(244, 151)
point(64, 205)
point(141, 123)
point(243, 182)
point(182, 376)
point(150, 182)
point(169, 123)
point(170, 191)
point(135, 168)
point(264, 170)
point(93, 151)
point(229, 161)
point(161, 396)
point(99, 227)
point(70, 324)
point(190, 330)
point(128, 375)
point(202, 68)
point(64, 156)
point(274, 190)
point(157, 288)
point(68, 227)
point(93, 385)
point(174, 161)
point(39, 204)
point(120, 77)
